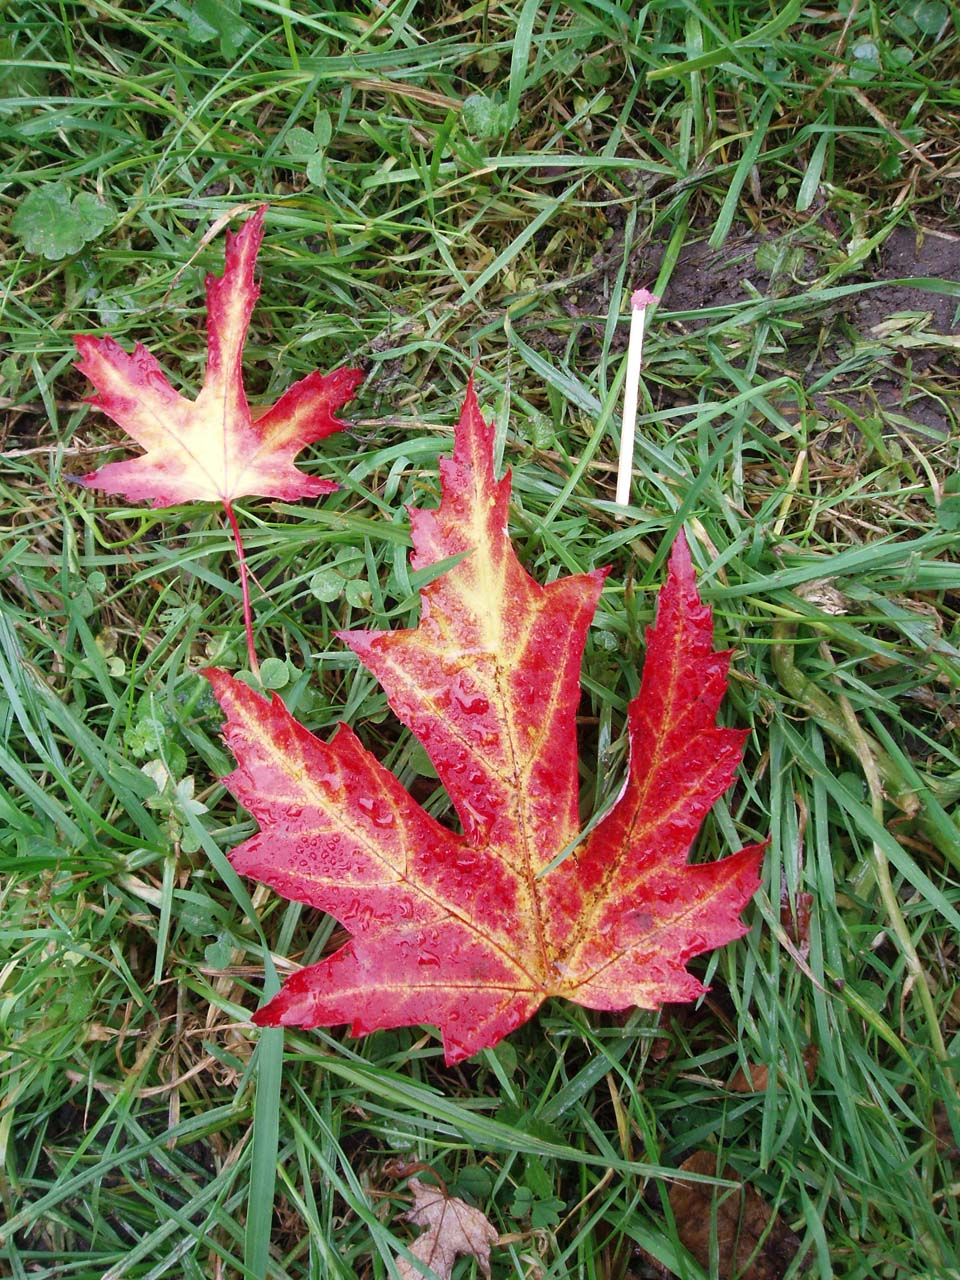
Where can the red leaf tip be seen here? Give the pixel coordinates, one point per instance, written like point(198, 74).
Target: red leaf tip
point(680, 561)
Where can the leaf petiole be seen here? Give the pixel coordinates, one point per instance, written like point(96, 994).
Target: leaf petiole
point(244, 589)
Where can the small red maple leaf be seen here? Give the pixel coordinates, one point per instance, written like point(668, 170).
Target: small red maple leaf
point(211, 449)
point(473, 932)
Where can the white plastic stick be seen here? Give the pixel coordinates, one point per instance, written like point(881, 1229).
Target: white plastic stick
point(639, 302)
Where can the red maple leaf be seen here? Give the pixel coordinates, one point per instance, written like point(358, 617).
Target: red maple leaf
point(211, 449)
point(472, 932)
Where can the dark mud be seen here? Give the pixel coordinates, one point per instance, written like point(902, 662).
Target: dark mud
point(892, 349)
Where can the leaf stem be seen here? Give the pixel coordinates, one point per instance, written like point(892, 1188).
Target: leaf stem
point(918, 795)
point(917, 979)
point(244, 588)
point(823, 709)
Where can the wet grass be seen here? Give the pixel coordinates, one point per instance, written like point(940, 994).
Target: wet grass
point(767, 176)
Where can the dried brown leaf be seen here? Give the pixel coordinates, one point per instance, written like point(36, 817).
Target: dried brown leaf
point(453, 1227)
point(795, 918)
point(751, 1242)
point(754, 1077)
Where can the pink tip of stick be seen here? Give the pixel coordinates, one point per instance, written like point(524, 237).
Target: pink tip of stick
point(641, 298)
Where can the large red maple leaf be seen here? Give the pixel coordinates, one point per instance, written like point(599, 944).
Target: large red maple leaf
point(473, 932)
point(212, 449)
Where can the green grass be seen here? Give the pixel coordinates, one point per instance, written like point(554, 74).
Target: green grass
point(146, 1128)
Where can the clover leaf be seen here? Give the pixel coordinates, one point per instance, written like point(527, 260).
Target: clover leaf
point(485, 117)
point(207, 20)
point(54, 225)
point(309, 147)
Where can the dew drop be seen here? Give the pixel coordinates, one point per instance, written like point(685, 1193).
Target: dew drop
point(472, 704)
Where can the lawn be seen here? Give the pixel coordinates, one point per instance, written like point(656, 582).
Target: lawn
point(482, 188)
